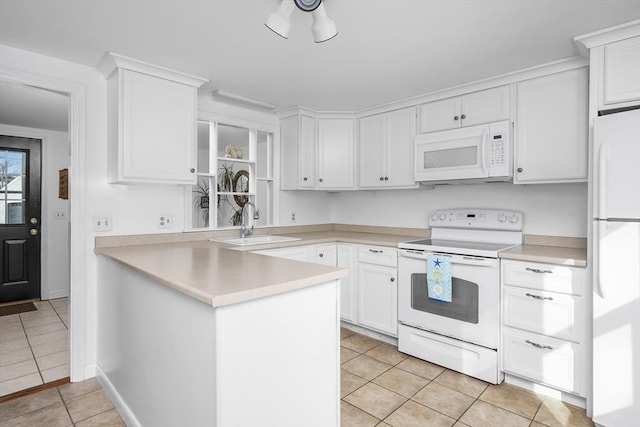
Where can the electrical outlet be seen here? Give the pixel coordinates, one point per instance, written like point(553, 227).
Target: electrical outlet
point(60, 215)
point(165, 221)
point(293, 217)
point(102, 223)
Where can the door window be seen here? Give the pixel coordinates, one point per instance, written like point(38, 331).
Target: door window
point(13, 166)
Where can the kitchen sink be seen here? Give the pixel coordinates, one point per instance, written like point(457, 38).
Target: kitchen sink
point(254, 240)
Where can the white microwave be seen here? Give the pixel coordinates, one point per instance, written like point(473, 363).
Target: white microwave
point(480, 153)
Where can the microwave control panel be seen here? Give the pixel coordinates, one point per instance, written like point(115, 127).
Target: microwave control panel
point(497, 149)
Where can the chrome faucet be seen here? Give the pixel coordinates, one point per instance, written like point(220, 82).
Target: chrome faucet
point(244, 231)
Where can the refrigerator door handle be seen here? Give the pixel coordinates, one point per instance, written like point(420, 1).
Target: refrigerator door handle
point(602, 180)
point(600, 276)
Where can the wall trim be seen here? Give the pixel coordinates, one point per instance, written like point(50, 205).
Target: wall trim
point(77, 134)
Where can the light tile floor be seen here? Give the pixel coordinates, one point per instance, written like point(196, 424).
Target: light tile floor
point(77, 404)
point(34, 346)
point(379, 387)
point(382, 387)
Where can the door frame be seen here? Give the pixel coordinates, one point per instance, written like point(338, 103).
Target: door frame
point(77, 128)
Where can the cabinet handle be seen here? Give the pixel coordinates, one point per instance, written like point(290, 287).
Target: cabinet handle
point(304, 179)
point(192, 170)
point(393, 279)
point(464, 116)
point(381, 179)
point(320, 180)
point(539, 297)
point(456, 118)
point(536, 345)
point(386, 178)
point(537, 270)
point(519, 169)
point(321, 255)
point(375, 251)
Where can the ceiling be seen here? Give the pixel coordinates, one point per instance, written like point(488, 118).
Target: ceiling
point(386, 50)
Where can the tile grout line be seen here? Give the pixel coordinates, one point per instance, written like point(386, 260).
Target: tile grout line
point(64, 402)
point(31, 348)
point(476, 398)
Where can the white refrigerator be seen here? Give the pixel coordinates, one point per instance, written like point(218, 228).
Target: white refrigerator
point(616, 270)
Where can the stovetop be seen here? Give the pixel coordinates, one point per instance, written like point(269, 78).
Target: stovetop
point(457, 247)
point(473, 232)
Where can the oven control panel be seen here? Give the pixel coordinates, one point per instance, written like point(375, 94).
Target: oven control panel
point(487, 219)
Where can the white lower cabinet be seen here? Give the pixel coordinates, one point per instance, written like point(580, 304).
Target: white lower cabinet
point(378, 289)
point(347, 257)
point(543, 324)
point(556, 363)
point(369, 293)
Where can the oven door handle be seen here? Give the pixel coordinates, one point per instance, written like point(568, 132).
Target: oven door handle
point(455, 259)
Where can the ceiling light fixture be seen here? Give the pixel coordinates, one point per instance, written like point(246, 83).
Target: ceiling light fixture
point(323, 27)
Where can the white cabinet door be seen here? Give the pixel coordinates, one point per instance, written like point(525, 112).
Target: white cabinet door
point(378, 298)
point(326, 254)
point(546, 313)
point(307, 152)
point(543, 359)
point(336, 150)
point(622, 71)
point(485, 106)
point(347, 258)
point(399, 134)
point(156, 136)
point(551, 128)
point(298, 152)
point(440, 115)
point(372, 151)
point(386, 149)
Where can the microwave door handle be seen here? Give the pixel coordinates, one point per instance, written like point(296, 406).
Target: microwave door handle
point(483, 149)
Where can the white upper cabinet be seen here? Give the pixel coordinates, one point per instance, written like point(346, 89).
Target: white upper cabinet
point(298, 148)
point(475, 108)
point(152, 122)
point(622, 72)
point(336, 153)
point(386, 149)
point(317, 153)
point(551, 128)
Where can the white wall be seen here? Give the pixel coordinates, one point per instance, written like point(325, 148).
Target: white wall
point(54, 232)
point(549, 209)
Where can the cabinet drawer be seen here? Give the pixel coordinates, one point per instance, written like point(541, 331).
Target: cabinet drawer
point(546, 277)
point(547, 313)
point(546, 360)
point(378, 255)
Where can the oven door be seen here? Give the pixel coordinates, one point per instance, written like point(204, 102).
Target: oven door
point(473, 315)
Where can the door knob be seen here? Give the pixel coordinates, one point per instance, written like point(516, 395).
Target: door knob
point(33, 231)
point(33, 220)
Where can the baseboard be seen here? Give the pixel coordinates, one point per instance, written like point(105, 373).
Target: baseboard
point(572, 399)
point(125, 413)
point(60, 293)
point(369, 333)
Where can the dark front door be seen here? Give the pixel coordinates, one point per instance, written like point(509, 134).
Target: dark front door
point(19, 218)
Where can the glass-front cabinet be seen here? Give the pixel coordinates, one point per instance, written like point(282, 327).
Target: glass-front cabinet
point(235, 173)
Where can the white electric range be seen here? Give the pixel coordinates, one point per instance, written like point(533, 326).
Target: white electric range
point(464, 334)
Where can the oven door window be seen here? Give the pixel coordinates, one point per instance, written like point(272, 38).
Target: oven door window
point(464, 299)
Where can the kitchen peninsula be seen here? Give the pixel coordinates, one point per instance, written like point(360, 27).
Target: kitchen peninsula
point(196, 334)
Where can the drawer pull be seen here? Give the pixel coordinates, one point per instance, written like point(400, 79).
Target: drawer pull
point(375, 251)
point(537, 270)
point(539, 297)
point(536, 345)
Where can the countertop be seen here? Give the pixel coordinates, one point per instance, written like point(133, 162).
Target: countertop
point(575, 257)
point(218, 274)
